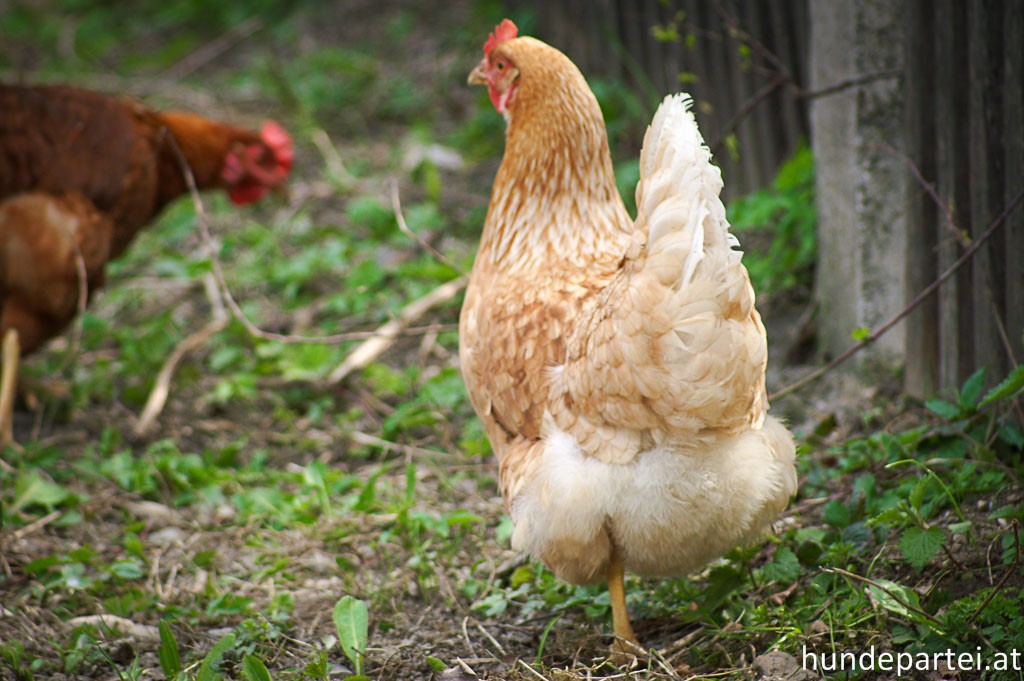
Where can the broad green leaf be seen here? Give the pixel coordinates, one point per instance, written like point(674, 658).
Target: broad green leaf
point(855, 533)
point(866, 483)
point(170, 659)
point(134, 545)
point(889, 516)
point(895, 597)
point(917, 494)
point(920, 546)
point(971, 391)
point(809, 552)
point(1009, 385)
point(208, 669)
point(505, 529)
point(127, 569)
point(352, 621)
point(32, 488)
point(960, 528)
point(254, 669)
point(521, 575)
point(899, 599)
point(1015, 436)
point(836, 514)
point(461, 517)
point(722, 581)
point(784, 567)
point(942, 408)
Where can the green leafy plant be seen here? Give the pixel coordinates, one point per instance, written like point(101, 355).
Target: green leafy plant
point(209, 669)
point(777, 228)
point(14, 658)
point(351, 620)
point(170, 659)
point(254, 669)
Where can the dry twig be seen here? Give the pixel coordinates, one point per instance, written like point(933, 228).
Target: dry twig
point(35, 525)
point(162, 386)
point(362, 438)
point(386, 335)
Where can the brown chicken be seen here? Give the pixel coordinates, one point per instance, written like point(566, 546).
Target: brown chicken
point(80, 174)
point(618, 365)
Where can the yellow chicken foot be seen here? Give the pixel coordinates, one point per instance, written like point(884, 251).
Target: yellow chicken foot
point(625, 640)
point(8, 380)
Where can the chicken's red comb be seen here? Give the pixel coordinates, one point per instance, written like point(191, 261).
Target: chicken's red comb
point(278, 139)
point(506, 30)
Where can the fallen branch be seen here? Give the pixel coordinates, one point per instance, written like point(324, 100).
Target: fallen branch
point(874, 335)
point(162, 386)
point(139, 632)
point(8, 383)
point(361, 438)
point(386, 335)
point(35, 525)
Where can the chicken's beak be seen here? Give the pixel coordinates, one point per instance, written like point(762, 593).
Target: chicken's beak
point(478, 76)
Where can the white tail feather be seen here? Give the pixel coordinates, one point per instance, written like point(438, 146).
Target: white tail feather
point(678, 195)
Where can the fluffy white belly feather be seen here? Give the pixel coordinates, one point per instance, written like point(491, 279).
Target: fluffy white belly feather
point(668, 511)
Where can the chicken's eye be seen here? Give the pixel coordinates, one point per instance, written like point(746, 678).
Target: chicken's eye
point(501, 66)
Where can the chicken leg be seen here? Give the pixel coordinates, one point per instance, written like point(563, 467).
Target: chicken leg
point(8, 380)
point(625, 640)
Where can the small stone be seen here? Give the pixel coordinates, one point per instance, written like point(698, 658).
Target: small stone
point(777, 665)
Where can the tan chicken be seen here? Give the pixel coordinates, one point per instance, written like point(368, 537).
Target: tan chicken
point(618, 365)
point(80, 174)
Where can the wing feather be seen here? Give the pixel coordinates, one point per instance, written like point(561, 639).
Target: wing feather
point(679, 345)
